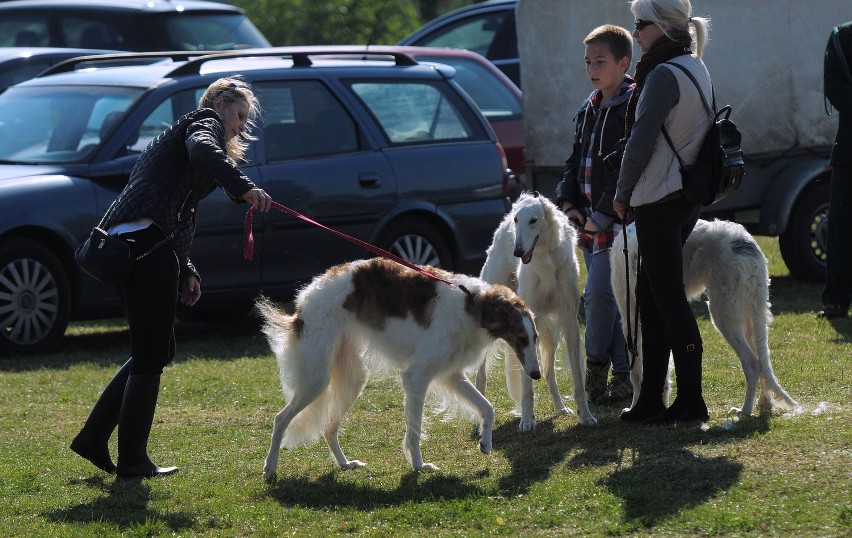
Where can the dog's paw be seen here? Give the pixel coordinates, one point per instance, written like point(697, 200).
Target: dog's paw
point(588, 420)
point(269, 470)
point(427, 468)
point(526, 425)
point(352, 464)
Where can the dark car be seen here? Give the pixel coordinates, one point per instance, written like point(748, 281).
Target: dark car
point(152, 25)
point(374, 145)
point(18, 64)
point(487, 28)
point(498, 98)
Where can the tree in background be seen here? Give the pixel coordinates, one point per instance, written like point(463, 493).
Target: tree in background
point(342, 22)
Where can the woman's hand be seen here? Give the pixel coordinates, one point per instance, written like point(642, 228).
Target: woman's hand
point(190, 290)
point(259, 199)
point(574, 215)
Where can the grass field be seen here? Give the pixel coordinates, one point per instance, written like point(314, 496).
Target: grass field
point(756, 476)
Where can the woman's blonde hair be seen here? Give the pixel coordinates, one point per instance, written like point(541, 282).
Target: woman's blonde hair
point(674, 14)
point(233, 89)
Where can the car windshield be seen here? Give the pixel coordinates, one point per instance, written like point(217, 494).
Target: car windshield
point(57, 124)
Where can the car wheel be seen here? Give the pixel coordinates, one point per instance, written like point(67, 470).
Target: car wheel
point(417, 242)
point(35, 297)
point(803, 244)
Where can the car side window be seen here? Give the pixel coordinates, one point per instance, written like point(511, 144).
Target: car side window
point(24, 31)
point(301, 118)
point(168, 112)
point(410, 112)
point(481, 33)
point(90, 34)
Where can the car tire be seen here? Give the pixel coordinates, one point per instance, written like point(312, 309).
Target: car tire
point(416, 241)
point(35, 298)
point(803, 243)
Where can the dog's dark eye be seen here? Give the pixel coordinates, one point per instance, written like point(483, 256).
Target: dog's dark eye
point(533, 221)
point(516, 220)
point(524, 341)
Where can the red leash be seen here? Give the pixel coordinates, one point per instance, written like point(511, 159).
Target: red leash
point(248, 245)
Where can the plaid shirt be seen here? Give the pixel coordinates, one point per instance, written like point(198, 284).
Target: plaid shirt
point(597, 115)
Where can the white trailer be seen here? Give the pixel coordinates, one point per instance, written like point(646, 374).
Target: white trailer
point(766, 60)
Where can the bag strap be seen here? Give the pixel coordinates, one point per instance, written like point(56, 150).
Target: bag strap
point(703, 100)
point(162, 241)
point(712, 111)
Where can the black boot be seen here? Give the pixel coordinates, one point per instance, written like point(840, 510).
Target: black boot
point(655, 366)
point(689, 404)
point(134, 427)
point(92, 443)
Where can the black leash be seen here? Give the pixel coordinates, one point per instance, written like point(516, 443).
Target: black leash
point(632, 339)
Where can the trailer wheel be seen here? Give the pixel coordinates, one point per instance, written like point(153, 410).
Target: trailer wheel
point(804, 242)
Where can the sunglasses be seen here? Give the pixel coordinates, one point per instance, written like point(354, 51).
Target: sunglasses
point(639, 24)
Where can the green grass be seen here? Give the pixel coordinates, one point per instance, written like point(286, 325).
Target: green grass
point(757, 476)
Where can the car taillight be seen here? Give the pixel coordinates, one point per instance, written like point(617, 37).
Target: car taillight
point(509, 176)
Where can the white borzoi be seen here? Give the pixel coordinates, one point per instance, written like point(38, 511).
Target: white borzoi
point(368, 315)
point(722, 260)
point(533, 250)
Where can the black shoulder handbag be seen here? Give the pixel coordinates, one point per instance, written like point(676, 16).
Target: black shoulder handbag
point(107, 257)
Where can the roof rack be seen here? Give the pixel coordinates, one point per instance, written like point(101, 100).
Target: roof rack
point(121, 58)
point(300, 57)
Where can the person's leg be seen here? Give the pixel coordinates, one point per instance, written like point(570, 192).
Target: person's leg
point(609, 345)
point(597, 322)
point(151, 298)
point(838, 275)
point(673, 222)
point(92, 443)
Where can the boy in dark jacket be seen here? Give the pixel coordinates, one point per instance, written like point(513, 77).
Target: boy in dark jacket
point(586, 193)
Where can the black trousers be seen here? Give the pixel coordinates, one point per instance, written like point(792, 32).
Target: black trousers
point(149, 298)
point(668, 323)
point(838, 274)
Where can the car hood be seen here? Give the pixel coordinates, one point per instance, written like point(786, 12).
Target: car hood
point(23, 171)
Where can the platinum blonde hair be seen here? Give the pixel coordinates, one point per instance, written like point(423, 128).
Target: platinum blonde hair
point(233, 89)
point(674, 14)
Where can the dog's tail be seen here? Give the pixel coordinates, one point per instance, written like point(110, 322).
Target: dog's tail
point(772, 395)
point(325, 374)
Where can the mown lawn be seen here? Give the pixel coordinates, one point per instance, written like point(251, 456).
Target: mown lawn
point(757, 476)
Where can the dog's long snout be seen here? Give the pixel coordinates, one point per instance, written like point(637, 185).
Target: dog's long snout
point(519, 251)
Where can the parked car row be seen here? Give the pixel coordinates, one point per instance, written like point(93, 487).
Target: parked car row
point(370, 142)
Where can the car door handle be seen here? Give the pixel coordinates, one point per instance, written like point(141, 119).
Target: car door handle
point(370, 181)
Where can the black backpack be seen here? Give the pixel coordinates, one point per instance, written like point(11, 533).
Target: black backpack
point(720, 167)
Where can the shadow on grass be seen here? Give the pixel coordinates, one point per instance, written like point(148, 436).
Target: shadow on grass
point(327, 492)
point(107, 342)
point(124, 505)
point(656, 475)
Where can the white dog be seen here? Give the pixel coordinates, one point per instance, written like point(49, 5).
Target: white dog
point(533, 250)
point(721, 259)
point(366, 315)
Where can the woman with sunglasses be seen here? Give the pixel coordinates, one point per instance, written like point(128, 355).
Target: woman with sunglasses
point(650, 183)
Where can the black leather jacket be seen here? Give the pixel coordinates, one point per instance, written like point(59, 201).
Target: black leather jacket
point(838, 90)
point(177, 170)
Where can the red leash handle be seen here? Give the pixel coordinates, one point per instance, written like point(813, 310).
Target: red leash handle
point(248, 244)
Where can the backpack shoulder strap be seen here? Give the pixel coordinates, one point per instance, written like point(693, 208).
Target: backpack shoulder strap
point(704, 100)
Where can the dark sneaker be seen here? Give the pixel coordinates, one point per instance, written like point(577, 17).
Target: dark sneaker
point(831, 311)
point(596, 375)
point(620, 391)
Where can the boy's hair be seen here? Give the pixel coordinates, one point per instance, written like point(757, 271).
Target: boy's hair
point(619, 40)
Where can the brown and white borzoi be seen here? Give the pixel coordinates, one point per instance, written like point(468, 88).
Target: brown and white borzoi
point(533, 249)
point(367, 315)
point(722, 260)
